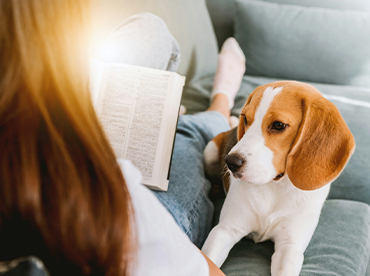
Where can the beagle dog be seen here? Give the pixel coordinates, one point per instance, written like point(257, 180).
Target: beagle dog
point(276, 167)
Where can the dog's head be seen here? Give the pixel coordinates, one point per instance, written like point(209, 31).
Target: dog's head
point(289, 128)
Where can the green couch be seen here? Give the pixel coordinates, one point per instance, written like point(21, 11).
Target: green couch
point(325, 43)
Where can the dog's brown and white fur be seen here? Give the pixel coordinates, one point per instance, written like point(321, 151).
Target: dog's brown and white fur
point(291, 143)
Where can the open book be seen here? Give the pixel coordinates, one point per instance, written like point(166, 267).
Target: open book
point(138, 108)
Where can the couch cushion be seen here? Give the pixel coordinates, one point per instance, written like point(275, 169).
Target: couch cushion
point(187, 20)
point(311, 44)
point(339, 246)
point(354, 5)
point(222, 12)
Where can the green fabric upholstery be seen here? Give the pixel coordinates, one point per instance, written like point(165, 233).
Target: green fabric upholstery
point(188, 21)
point(310, 44)
point(340, 245)
point(353, 5)
point(196, 95)
point(222, 12)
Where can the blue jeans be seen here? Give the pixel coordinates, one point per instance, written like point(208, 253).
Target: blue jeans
point(187, 196)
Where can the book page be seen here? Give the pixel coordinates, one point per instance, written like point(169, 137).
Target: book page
point(147, 121)
point(131, 106)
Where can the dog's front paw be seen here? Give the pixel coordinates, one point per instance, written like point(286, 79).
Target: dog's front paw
point(284, 273)
point(287, 260)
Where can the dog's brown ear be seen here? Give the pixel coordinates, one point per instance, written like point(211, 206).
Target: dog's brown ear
point(322, 147)
point(230, 140)
point(241, 126)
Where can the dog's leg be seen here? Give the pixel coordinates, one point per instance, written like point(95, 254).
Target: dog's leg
point(220, 241)
point(287, 260)
point(236, 221)
point(290, 244)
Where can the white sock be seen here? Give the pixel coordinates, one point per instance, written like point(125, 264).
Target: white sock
point(230, 70)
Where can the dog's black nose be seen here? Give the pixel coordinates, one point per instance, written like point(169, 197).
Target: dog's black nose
point(234, 162)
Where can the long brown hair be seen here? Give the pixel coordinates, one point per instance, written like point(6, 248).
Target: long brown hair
point(63, 197)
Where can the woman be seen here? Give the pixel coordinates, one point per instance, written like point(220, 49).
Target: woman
point(63, 196)
point(54, 157)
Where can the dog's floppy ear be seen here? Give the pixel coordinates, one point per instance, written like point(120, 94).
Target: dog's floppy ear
point(322, 147)
point(241, 126)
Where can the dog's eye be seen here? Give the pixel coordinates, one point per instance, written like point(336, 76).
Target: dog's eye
point(278, 126)
point(245, 120)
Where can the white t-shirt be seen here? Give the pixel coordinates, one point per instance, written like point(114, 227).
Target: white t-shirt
point(163, 248)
